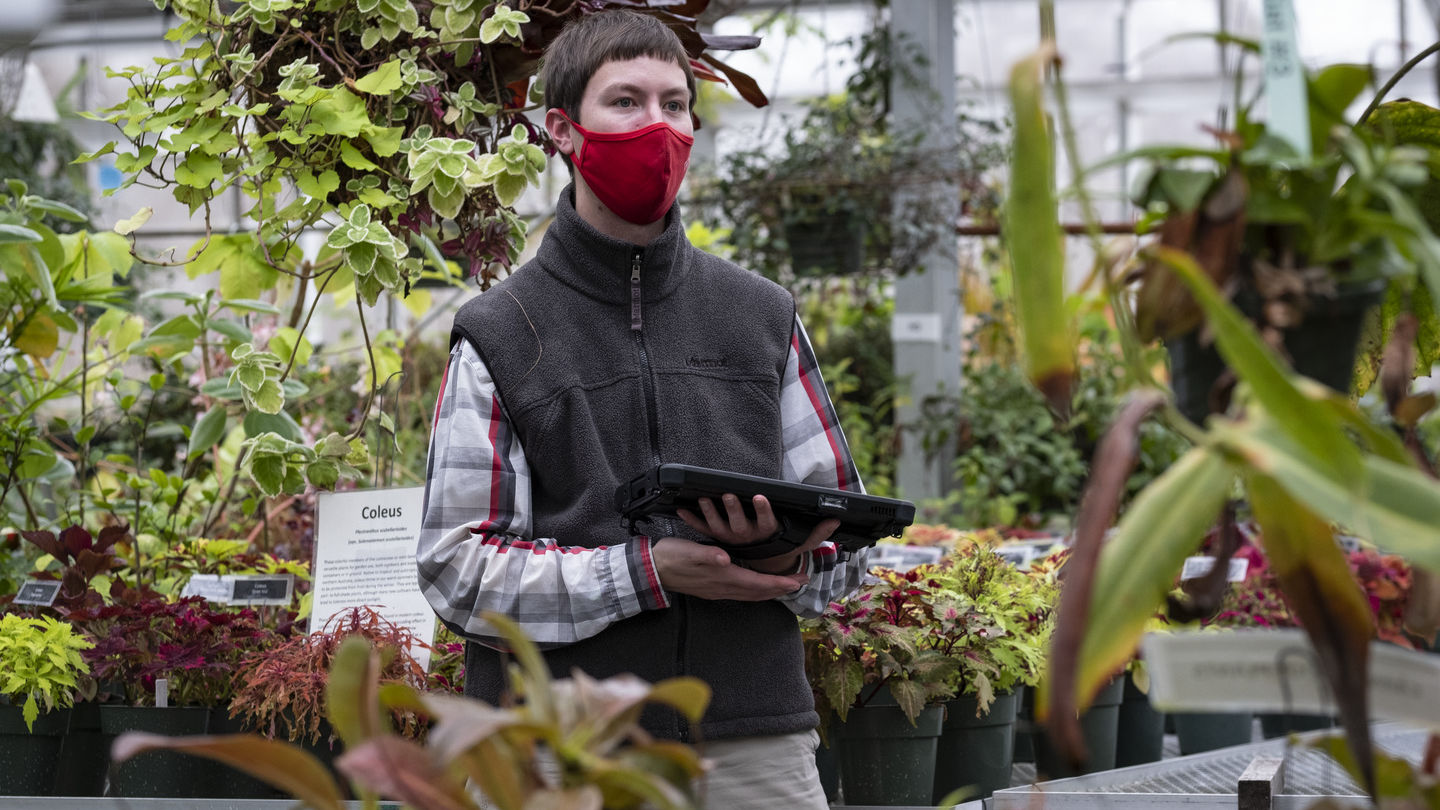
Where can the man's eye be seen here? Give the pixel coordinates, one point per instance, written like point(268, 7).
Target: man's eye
point(623, 102)
point(675, 106)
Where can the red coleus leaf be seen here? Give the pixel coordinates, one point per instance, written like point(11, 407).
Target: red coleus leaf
point(76, 539)
point(48, 544)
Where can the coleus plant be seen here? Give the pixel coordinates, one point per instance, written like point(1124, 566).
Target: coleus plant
point(993, 619)
point(282, 692)
point(41, 663)
point(881, 636)
point(570, 744)
point(199, 648)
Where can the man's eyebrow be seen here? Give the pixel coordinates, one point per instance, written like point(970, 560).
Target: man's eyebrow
point(626, 87)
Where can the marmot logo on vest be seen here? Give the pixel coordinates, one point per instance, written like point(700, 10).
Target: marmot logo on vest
point(696, 361)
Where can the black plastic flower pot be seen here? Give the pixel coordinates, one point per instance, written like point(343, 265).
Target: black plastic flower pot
point(1024, 748)
point(84, 754)
point(226, 782)
point(1140, 737)
point(1322, 347)
point(1279, 725)
point(827, 762)
point(1207, 731)
point(1098, 725)
point(975, 752)
point(28, 756)
point(885, 759)
point(158, 774)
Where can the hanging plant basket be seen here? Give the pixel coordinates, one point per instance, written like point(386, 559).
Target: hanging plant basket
point(825, 238)
point(1321, 347)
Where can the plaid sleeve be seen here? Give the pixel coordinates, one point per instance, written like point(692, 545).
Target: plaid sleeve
point(476, 551)
point(816, 453)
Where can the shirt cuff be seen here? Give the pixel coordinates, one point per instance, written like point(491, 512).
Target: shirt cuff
point(649, 591)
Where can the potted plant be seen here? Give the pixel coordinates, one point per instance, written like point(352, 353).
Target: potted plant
point(40, 673)
point(568, 743)
point(399, 128)
point(1303, 246)
point(845, 193)
point(1307, 456)
point(993, 621)
point(282, 693)
point(197, 650)
point(871, 668)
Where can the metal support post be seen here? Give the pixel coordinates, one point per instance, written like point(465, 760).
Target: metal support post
point(926, 325)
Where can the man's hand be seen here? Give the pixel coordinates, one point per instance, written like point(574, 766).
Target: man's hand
point(735, 527)
point(707, 572)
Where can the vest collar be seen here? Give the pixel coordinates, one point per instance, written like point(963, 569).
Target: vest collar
point(599, 266)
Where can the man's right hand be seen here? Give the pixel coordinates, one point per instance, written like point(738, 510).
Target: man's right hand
point(707, 572)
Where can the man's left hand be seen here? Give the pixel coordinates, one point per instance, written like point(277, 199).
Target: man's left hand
point(735, 527)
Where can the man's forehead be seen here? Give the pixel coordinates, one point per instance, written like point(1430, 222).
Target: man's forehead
point(640, 73)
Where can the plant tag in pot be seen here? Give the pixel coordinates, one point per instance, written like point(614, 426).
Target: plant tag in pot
point(38, 592)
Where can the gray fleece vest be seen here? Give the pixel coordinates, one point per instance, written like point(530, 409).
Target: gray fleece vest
point(610, 358)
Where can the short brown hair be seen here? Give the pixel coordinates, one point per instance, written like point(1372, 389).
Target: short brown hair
point(609, 36)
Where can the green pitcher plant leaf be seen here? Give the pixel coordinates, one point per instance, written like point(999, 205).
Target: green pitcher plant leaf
point(532, 681)
point(1393, 505)
point(291, 769)
point(1034, 240)
point(1160, 529)
point(1316, 580)
point(1309, 422)
point(351, 702)
point(500, 773)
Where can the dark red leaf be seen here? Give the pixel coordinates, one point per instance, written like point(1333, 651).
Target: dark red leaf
point(48, 544)
point(1114, 461)
point(110, 535)
point(743, 83)
point(76, 539)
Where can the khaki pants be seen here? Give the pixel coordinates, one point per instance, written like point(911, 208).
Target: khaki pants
point(753, 773)
point(763, 773)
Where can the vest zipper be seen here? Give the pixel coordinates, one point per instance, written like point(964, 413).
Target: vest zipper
point(653, 423)
point(646, 378)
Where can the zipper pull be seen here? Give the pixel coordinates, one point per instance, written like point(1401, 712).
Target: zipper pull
point(635, 293)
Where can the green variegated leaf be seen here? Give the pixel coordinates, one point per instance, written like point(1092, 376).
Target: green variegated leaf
point(910, 695)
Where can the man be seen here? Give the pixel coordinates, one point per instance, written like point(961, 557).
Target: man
point(619, 347)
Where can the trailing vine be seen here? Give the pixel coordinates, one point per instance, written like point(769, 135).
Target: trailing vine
point(398, 127)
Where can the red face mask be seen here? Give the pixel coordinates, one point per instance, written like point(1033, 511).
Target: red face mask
point(636, 174)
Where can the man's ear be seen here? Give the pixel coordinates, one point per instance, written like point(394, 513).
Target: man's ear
point(562, 134)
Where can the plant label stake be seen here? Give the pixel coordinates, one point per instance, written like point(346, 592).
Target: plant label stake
point(162, 693)
point(1285, 77)
point(1197, 567)
point(37, 592)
